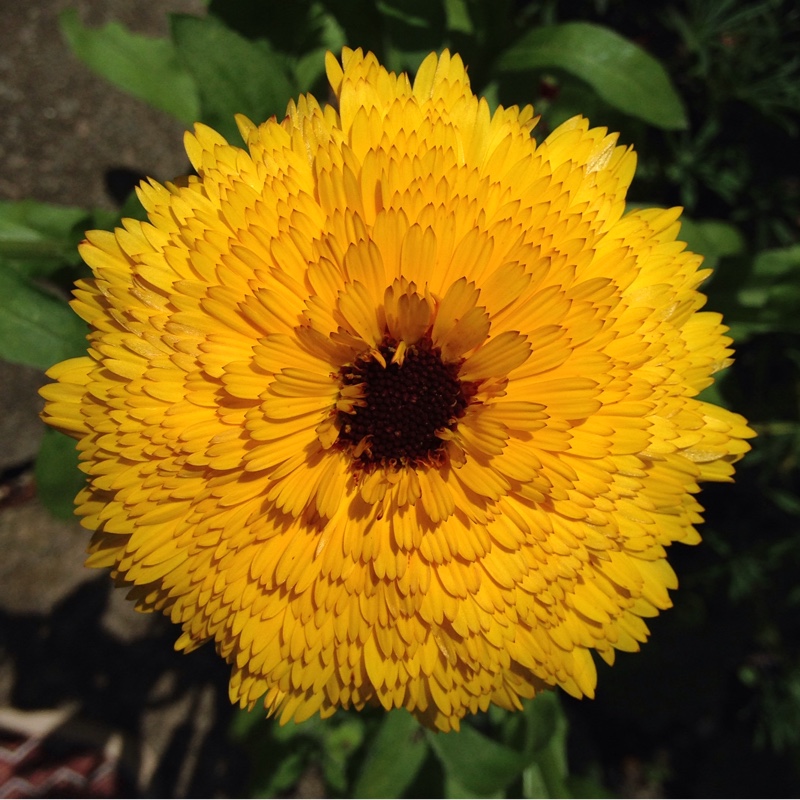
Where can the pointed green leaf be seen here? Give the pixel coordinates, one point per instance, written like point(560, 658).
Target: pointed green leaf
point(309, 67)
point(544, 722)
point(458, 18)
point(234, 75)
point(476, 763)
point(534, 750)
point(623, 74)
point(39, 238)
point(58, 478)
point(340, 741)
point(36, 328)
point(146, 67)
point(453, 790)
point(779, 264)
point(711, 238)
point(547, 739)
point(394, 757)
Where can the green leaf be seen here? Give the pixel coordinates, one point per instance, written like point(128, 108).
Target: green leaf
point(36, 328)
point(309, 67)
point(773, 279)
point(545, 723)
point(458, 18)
point(547, 741)
point(786, 501)
point(454, 789)
point(711, 238)
point(286, 773)
point(276, 763)
point(623, 74)
point(57, 476)
point(39, 238)
point(234, 75)
point(412, 29)
point(312, 728)
point(340, 741)
point(763, 298)
point(146, 67)
point(245, 720)
point(534, 750)
point(779, 264)
point(574, 98)
point(476, 763)
point(394, 757)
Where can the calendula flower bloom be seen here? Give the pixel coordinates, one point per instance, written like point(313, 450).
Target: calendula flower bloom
point(397, 405)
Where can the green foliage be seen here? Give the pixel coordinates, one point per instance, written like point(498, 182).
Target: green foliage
point(528, 749)
point(38, 262)
point(282, 755)
point(709, 93)
point(394, 758)
point(234, 75)
point(146, 67)
point(36, 327)
point(37, 238)
point(714, 239)
point(763, 295)
point(743, 51)
point(58, 479)
point(621, 73)
point(373, 754)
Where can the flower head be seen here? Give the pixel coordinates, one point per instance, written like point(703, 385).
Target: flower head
point(397, 405)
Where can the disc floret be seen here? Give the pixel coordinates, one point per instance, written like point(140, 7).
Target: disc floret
point(405, 403)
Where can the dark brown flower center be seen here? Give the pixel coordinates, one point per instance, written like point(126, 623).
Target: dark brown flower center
point(402, 406)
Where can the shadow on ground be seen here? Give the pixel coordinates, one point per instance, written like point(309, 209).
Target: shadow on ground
point(169, 711)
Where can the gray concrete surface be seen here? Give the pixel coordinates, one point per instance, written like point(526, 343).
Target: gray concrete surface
point(61, 128)
point(67, 639)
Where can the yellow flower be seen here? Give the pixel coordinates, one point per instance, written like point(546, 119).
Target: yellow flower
point(396, 405)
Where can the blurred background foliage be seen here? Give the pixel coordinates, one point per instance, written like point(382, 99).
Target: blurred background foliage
point(708, 91)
